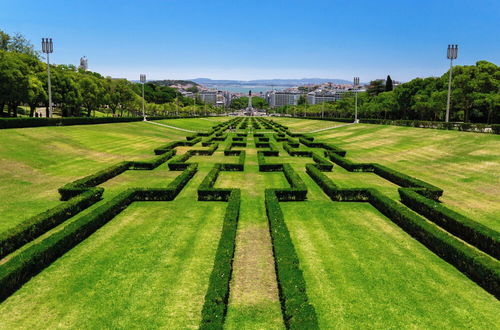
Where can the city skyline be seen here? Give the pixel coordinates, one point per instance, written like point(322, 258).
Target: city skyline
point(265, 40)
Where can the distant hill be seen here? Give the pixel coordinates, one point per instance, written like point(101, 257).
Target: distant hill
point(174, 82)
point(271, 82)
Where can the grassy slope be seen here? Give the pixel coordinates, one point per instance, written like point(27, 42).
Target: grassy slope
point(34, 162)
point(194, 124)
point(363, 271)
point(466, 165)
point(305, 126)
point(149, 265)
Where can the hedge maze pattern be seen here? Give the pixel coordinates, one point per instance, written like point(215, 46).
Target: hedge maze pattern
point(469, 246)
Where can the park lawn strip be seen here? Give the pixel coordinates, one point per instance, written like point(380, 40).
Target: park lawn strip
point(186, 248)
point(35, 162)
point(149, 265)
point(253, 301)
point(194, 124)
point(345, 179)
point(305, 125)
point(360, 271)
point(465, 165)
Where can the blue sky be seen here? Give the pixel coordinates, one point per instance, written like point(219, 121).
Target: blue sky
point(181, 39)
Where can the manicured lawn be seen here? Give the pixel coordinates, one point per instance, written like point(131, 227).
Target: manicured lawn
point(465, 165)
point(305, 125)
point(150, 266)
point(362, 271)
point(34, 162)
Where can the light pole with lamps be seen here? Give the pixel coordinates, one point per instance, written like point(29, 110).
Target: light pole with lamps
point(356, 84)
point(47, 48)
point(451, 55)
point(143, 81)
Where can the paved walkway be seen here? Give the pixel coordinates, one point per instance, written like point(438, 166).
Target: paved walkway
point(325, 129)
point(178, 128)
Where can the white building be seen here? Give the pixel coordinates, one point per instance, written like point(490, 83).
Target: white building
point(278, 99)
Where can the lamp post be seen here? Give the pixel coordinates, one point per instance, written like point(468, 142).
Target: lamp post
point(451, 55)
point(356, 84)
point(143, 81)
point(47, 48)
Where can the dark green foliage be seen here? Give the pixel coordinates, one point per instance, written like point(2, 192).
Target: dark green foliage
point(206, 190)
point(217, 296)
point(81, 185)
point(171, 145)
point(153, 163)
point(350, 166)
point(297, 190)
point(407, 181)
point(21, 267)
point(484, 238)
point(298, 313)
point(265, 167)
point(178, 163)
point(477, 265)
point(321, 162)
point(38, 122)
point(35, 226)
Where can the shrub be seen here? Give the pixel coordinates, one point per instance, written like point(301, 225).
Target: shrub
point(217, 296)
point(484, 238)
point(298, 313)
point(81, 185)
point(477, 265)
point(35, 226)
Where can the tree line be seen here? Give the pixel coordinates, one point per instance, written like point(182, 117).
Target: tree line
point(76, 92)
point(475, 97)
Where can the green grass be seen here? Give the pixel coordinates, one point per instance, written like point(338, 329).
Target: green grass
point(305, 125)
point(150, 266)
point(362, 271)
point(34, 162)
point(465, 165)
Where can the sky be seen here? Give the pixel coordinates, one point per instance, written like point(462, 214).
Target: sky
point(244, 40)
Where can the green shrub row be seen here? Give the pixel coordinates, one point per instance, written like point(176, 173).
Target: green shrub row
point(79, 186)
point(480, 267)
point(217, 296)
point(294, 152)
point(477, 265)
point(153, 163)
point(35, 226)
point(298, 313)
point(171, 145)
point(178, 163)
point(68, 121)
point(474, 233)
point(326, 146)
point(331, 190)
point(206, 190)
point(21, 267)
point(322, 163)
point(389, 174)
point(265, 167)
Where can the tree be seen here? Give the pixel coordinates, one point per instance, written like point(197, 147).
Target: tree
point(36, 92)
point(302, 100)
point(14, 81)
point(388, 84)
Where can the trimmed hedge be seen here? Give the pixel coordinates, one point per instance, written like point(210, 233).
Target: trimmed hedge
point(68, 121)
point(389, 174)
point(153, 163)
point(167, 147)
point(35, 226)
point(79, 186)
point(217, 296)
point(322, 163)
point(298, 313)
point(21, 267)
point(474, 233)
point(480, 267)
point(206, 190)
point(297, 190)
point(265, 167)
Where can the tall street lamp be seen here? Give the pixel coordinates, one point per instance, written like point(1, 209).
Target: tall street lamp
point(143, 81)
point(451, 55)
point(356, 84)
point(48, 48)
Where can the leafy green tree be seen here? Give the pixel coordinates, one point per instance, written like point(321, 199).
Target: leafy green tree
point(37, 93)
point(376, 87)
